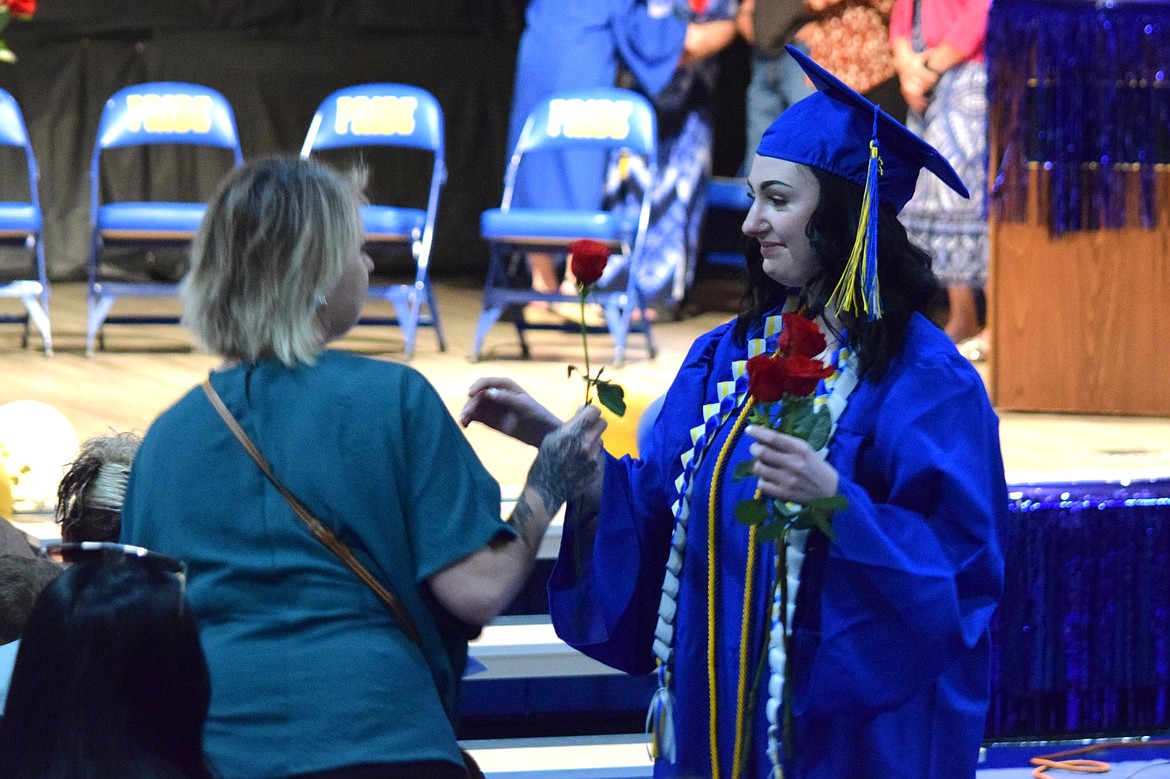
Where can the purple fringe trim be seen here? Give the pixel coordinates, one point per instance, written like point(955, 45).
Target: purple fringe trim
point(1081, 88)
point(1081, 639)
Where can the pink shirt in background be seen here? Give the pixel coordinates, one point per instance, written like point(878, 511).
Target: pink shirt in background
point(961, 23)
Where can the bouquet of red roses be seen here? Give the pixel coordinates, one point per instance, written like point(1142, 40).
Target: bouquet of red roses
point(783, 387)
point(9, 9)
point(587, 260)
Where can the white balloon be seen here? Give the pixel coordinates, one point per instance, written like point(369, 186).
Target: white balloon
point(37, 443)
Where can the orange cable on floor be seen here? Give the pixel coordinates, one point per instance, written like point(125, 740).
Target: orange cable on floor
point(1057, 761)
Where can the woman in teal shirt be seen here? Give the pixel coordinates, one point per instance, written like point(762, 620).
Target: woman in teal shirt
point(311, 675)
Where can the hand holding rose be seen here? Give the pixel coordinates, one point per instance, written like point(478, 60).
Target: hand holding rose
point(796, 488)
point(789, 469)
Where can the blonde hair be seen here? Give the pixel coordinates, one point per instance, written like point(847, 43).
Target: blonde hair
point(272, 245)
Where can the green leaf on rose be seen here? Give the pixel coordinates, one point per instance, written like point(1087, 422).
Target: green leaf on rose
point(795, 408)
point(820, 511)
point(802, 522)
point(743, 470)
point(612, 396)
point(820, 520)
point(760, 415)
point(751, 512)
point(820, 427)
point(772, 531)
point(830, 504)
point(811, 424)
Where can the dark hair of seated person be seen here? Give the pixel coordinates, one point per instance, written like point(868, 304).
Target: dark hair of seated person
point(110, 679)
point(21, 581)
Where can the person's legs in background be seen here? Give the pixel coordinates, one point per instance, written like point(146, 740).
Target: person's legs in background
point(963, 320)
point(777, 82)
point(953, 229)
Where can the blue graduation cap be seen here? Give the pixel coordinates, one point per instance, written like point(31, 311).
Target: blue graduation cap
point(837, 130)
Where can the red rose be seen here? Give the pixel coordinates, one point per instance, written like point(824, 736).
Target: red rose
point(587, 259)
point(801, 336)
point(766, 379)
point(802, 374)
point(22, 7)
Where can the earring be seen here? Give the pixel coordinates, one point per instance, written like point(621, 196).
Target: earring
point(320, 300)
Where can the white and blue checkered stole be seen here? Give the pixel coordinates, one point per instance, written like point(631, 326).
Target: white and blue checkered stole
point(731, 394)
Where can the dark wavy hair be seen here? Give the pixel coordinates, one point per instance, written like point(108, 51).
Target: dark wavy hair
point(110, 679)
point(905, 278)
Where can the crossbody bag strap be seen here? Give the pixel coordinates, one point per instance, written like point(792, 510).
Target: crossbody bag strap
point(319, 529)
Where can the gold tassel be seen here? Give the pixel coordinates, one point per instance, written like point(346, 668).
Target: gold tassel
point(860, 277)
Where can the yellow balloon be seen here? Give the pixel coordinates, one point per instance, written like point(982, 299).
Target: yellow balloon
point(5, 493)
point(37, 443)
point(621, 436)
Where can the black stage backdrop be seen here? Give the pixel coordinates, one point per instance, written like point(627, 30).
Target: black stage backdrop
point(274, 60)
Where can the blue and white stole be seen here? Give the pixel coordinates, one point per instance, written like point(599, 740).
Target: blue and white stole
point(731, 394)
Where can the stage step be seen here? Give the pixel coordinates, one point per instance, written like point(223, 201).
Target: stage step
point(573, 757)
point(524, 647)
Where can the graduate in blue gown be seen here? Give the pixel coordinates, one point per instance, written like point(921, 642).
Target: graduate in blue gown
point(862, 651)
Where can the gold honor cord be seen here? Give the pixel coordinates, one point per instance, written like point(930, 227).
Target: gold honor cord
point(712, 593)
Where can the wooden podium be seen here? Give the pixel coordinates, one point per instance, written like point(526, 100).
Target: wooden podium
point(1079, 281)
point(1081, 322)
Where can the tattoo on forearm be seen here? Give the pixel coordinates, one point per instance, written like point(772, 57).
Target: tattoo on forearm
point(522, 520)
point(561, 470)
point(542, 482)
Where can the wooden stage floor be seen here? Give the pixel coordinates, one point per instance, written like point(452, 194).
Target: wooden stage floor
point(145, 368)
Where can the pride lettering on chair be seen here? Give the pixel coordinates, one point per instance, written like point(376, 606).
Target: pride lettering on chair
point(154, 113)
point(375, 115)
point(600, 119)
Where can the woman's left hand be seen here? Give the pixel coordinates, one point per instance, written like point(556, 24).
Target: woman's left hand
point(503, 405)
point(788, 468)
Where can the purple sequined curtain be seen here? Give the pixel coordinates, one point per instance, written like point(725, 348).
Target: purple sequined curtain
point(1080, 89)
point(1081, 640)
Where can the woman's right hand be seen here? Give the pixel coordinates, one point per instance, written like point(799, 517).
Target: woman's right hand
point(503, 405)
point(569, 466)
point(570, 462)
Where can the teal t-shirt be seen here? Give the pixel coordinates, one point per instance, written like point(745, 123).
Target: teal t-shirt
point(309, 671)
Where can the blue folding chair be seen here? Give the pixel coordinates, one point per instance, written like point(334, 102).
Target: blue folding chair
point(727, 201)
point(149, 114)
point(615, 119)
point(392, 115)
point(20, 225)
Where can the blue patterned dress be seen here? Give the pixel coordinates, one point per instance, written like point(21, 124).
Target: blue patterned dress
point(685, 112)
point(569, 44)
point(952, 229)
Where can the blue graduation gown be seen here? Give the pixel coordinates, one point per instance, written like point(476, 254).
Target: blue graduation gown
point(568, 44)
point(890, 652)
